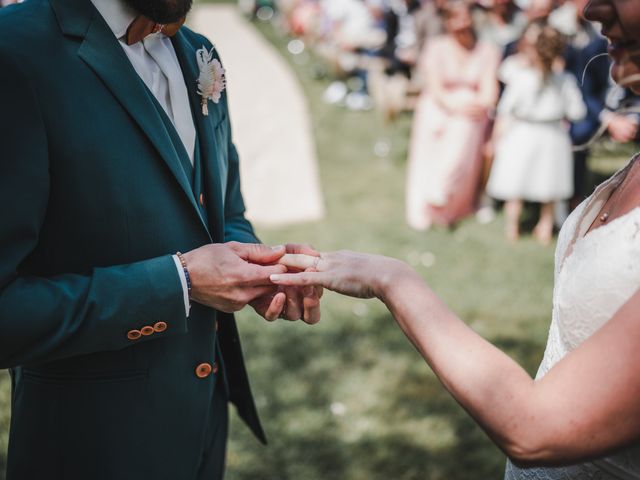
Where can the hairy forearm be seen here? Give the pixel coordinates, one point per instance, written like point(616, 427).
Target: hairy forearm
point(493, 388)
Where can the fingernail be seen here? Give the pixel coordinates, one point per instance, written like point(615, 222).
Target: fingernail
point(275, 277)
point(277, 247)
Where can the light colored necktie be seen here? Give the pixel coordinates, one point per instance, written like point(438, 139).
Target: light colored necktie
point(159, 47)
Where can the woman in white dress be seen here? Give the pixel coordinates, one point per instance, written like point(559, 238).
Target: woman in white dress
point(533, 157)
point(580, 417)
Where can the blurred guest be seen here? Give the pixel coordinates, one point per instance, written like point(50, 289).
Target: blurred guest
point(533, 159)
point(390, 76)
point(304, 17)
point(350, 34)
point(537, 11)
point(500, 22)
point(563, 17)
point(429, 19)
point(586, 59)
point(401, 44)
point(450, 123)
point(621, 104)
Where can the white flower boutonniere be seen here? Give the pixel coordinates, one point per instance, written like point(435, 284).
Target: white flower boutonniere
point(211, 81)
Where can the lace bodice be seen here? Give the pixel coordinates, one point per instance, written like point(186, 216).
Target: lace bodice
point(595, 274)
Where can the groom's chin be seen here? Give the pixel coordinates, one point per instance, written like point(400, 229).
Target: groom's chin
point(161, 11)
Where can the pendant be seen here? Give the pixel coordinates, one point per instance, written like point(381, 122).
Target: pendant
point(604, 217)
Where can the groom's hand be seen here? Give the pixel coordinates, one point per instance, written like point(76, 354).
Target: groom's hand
point(227, 276)
point(292, 303)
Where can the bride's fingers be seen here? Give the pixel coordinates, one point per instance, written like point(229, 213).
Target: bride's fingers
point(299, 279)
point(299, 261)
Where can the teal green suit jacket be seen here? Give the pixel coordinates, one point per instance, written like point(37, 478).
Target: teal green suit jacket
point(94, 204)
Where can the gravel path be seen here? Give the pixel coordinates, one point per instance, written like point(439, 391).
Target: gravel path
point(270, 118)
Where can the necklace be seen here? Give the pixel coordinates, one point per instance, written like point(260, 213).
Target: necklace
point(629, 179)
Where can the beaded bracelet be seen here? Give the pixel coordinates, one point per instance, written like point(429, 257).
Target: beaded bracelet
point(185, 270)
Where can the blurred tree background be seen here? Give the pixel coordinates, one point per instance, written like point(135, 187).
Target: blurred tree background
point(350, 398)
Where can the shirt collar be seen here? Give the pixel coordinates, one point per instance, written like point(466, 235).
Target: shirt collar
point(117, 14)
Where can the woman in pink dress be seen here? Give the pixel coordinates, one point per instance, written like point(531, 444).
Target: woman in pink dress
point(451, 122)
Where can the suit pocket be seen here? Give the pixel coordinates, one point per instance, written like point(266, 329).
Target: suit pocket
point(60, 378)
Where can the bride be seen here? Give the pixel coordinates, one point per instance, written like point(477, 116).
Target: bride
point(580, 417)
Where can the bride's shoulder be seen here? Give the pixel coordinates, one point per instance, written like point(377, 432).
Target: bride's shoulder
point(568, 231)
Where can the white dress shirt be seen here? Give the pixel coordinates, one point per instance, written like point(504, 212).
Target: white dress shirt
point(155, 61)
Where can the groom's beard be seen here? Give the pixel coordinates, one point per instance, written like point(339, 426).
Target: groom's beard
point(161, 11)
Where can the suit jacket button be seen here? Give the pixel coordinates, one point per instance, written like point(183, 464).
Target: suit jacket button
point(160, 327)
point(146, 331)
point(202, 199)
point(134, 334)
point(217, 325)
point(203, 370)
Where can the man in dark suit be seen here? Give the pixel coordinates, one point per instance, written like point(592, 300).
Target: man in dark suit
point(586, 59)
point(116, 157)
point(592, 73)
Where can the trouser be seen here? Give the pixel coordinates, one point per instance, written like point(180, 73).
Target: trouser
point(215, 444)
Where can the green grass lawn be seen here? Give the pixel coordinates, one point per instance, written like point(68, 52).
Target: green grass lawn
point(350, 398)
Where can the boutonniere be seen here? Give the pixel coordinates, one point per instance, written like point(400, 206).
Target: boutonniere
point(211, 81)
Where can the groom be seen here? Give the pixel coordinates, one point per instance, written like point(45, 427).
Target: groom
point(112, 163)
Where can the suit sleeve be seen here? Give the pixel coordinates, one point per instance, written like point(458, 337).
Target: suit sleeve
point(593, 79)
point(43, 318)
point(237, 227)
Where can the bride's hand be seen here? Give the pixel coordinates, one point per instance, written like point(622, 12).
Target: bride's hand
point(349, 273)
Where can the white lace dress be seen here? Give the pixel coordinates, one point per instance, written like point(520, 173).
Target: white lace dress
point(594, 276)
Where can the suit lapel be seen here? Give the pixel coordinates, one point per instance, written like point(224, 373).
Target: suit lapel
point(102, 53)
point(205, 125)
